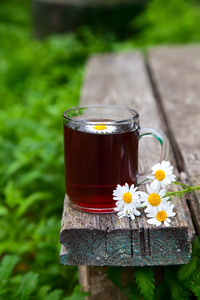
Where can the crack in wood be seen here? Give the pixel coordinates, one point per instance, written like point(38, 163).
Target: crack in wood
point(131, 238)
point(142, 242)
point(149, 242)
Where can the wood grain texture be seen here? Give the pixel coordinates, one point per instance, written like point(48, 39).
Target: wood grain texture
point(176, 73)
point(104, 240)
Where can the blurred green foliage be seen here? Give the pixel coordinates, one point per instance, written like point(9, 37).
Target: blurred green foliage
point(39, 80)
point(172, 22)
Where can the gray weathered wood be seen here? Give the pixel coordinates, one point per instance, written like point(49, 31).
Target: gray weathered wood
point(93, 239)
point(176, 73)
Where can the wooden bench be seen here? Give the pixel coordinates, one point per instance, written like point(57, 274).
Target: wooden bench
point(165, 90)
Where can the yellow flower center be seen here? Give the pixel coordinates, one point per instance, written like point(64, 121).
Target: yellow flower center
point(161, 216)
point(160, 175)
point(127, 197)
point(100, 127)
point(154, 199)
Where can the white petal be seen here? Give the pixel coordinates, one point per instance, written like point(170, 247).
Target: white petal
point(132, 189)
point(119, 204)
point(118, 193)
point(132, 216)
point(171, 207)
point(127, 187)
point(117, 209)
point(171, 214)
point(116, 198)
point(151, 215)
point(167, 181)
point(137, 205)
point(128, 206)
point(166, 223)
point(168, 220)
point(163, 183)
point(162, 193)
point(121, 189)
point(165, 164)
point(154, 221)
point(166, 198)
point(156, 189)
point(132, 186)
point(152, 210)
point(155, 184)
point(156, 167)
point(142, 196)
point(136, 212)
point(120, 214)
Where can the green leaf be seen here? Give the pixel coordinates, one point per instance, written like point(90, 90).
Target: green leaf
point(3, 210)
point(77, 294)
point(177, 289)
point(145, 280)
point(7, 265)
point(185, 271)
point(195, 286)
point(37, 196)
point(43, 292)
point(55, 295)
point(196, 247)
point(28, 285)
point(114, 274)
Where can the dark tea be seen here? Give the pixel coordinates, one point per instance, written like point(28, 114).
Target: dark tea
point(97, 158)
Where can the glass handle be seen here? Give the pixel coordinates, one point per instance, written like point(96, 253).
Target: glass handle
point(164, 142)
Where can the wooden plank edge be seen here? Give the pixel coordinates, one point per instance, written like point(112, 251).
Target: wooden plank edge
point(168, 247)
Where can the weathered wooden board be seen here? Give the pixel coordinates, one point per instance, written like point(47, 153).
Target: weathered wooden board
point(93, 239)
point(176, 73)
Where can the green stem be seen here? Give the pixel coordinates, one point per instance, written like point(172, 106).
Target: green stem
point(187, 190)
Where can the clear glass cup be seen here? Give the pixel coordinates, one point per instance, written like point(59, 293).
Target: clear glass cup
point(101, 151)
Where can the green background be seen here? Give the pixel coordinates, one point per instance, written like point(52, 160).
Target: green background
point(39, 80)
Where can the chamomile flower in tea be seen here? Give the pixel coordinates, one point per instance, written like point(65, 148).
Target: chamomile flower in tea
point(162, 175)
point(100, 128)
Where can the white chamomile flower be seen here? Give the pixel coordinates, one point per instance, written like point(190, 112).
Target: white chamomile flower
point(154, 200)
point(161, 216)
point(127, 200)
point(162, 175)
point(100, 128)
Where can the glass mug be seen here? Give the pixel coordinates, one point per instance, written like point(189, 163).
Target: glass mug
point(101, 151)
